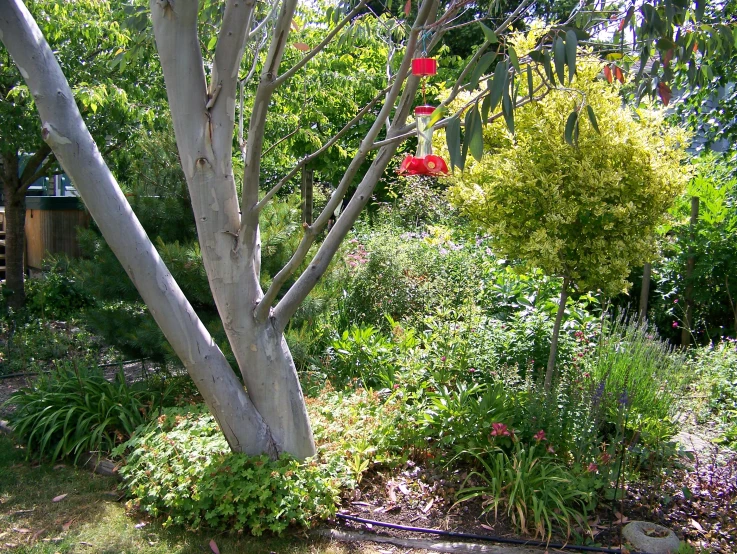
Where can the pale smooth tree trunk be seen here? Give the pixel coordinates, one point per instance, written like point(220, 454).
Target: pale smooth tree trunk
point(65, 132)
point(550, 370)
point(204, 119)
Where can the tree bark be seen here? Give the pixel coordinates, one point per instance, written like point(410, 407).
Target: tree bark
point(645, 291)
point(15, 236)
point(204, 118)
point(690, 265)
point(556, 332)
point(65, 132)
point(308, 175)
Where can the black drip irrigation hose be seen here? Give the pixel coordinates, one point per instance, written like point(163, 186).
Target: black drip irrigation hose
point(490, 538)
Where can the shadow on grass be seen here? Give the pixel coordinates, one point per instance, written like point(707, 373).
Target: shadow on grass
point(92, 519)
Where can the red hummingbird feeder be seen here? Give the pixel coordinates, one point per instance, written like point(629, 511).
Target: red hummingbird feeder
point(424, 163)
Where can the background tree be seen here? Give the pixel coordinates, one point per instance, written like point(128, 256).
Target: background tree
point(586, 209)
point(112, 105)
point(711, 244)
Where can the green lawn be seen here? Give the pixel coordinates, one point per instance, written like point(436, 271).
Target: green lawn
point(92, 518)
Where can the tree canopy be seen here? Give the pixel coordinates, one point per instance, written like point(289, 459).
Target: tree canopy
point(588, 210)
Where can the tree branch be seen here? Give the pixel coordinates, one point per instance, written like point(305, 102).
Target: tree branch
point(224, 80)
point(260, 26)
point(347, 127)
point(256, 126)
point(34, 163)
point(457, 87)
point(42, 171)
point(278, 142)
point(410, 130)
point(184, 74)
point(306, 282)
point(312, 53)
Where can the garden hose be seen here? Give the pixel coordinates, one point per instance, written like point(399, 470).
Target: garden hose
point(490, 538)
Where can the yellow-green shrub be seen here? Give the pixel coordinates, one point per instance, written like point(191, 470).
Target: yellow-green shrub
point(586, 211)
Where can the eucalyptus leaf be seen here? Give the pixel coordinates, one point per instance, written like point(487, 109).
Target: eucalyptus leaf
point(453, 139)
point(475, 134)
point(437, 115)
point(489, 34)
point(498, 83)
point(512, 53)
point(548, 67)
point(483, 64)
point(570, 126)
point(559, 58)
point(508, 111)
point(485, 108)
point(592, 118)
point(571, 47)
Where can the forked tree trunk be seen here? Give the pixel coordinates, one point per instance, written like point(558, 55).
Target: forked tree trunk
point(271, 417)
point(556, 333)
point(204, 119)
point(15, 241)
point(64, 130)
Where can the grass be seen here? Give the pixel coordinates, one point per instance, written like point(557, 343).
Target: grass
point(92, 518)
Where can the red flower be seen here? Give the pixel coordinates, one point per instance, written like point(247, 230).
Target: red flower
point(593, 468)
point(500, 430)
point(539, 436)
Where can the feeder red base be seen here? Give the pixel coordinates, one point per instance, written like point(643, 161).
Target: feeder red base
point(429, 165)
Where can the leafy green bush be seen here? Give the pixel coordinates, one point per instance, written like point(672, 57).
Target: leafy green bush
point(641, 377)
point(180, 466)
point(56, 294)
point(716, 367)
point(363, 353)
point(460, 418)
point(534, 490)
point(711, 243)
point(76, 410)
point(32, 344)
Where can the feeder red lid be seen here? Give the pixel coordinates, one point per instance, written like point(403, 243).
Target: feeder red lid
point(424, 110)
point(424, 66)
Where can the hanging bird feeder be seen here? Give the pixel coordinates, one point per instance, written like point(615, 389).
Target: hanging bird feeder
point(424, 163)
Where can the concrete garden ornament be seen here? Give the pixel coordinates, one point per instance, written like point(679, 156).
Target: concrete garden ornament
point(651, 537)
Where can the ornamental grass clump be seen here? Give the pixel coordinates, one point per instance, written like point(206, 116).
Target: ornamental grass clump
point(75, 410)
point(533, 489)
point(641, 378)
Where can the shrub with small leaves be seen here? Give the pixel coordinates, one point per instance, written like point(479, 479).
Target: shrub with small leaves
point(179, 466)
